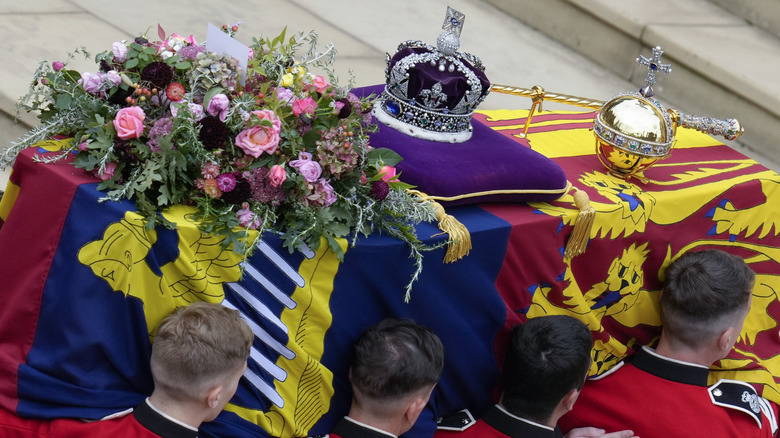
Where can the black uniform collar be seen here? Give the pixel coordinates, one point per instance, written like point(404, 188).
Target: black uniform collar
point(349, 428)
point(647, 360)
point(508, 424)
point(158, 424)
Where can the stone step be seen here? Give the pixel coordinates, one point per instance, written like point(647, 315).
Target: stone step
point(722, 66)
point(762, 13)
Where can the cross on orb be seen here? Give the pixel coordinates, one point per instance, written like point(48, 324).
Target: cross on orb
point(653, 65)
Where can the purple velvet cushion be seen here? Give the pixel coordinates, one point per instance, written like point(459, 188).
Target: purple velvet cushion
point(459, 173)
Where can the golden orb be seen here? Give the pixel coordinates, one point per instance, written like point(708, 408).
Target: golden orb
point(632, 133)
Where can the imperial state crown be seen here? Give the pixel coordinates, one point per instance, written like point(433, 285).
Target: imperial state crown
point(432, 92)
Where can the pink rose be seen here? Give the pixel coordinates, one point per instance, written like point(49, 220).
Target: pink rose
point(277, 175)
point(320, 84)
point(309, 169)
point(248, 218)
point(304, 106)
point(218, 105)
point(57, 65)
point(129, 122)
point(108, 171)
point(120, 51)
point(387, 173)
point(256, 140)
point(269, 115)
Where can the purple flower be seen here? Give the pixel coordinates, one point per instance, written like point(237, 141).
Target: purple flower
point(161, 128)
point(194, 109)
point(248, 218)
point(309, 169)
point(226, 182)
point(263, 190)
point(113, 78)
point(57, 65)
point(189, 52)
point(323, 194)
point(218, 105)
point(92, 82)
point(284, 95)
point(120, 51)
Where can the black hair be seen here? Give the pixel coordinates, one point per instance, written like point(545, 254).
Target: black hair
point(397, 357)
point(547, 357)
point(702, 291)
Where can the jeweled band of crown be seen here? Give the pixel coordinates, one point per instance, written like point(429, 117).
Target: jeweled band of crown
point(419, 122)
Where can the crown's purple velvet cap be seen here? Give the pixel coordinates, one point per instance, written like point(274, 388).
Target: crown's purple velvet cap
point(424, 75)
point(488, 161)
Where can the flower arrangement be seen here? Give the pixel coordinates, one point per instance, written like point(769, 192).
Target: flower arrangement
point(168, 122)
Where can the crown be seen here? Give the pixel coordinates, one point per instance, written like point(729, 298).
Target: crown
point(432, 92)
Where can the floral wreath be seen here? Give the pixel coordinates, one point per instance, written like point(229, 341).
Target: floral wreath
point(168, 122)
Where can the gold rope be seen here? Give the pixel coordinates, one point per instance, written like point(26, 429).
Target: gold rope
point(578, 240)
point(561, 191)
point(460, 238)
point(540, 94)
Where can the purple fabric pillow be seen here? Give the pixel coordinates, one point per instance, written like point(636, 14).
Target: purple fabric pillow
point(466, 173)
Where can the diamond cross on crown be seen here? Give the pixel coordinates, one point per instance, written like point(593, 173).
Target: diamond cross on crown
point(453, 21)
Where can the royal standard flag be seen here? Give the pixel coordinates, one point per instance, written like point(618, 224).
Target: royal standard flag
point(85, 284)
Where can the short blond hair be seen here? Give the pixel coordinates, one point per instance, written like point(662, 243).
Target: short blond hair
point(198, 346)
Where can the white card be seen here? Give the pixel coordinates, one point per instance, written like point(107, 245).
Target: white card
point(218, 41)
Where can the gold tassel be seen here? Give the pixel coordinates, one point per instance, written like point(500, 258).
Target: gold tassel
point(578, 240)
point(460, 238)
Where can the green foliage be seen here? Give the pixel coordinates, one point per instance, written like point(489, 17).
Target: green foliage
point(288, 112)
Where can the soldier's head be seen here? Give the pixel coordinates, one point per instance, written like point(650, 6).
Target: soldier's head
point(198, 356)
point(547, 361)
point(396, 365)
point(705, 299)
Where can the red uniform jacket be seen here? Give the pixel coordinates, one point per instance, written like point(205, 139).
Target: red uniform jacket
point(144, 422)
point(656, 396)
point(497, 422)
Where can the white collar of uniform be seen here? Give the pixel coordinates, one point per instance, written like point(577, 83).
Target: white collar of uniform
point(168, 417)
point(369, 427)
point(502, 409)
point(652, 352)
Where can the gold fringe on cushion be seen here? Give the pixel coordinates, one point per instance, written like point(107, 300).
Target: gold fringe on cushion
point(578, 240)
point(460, 238)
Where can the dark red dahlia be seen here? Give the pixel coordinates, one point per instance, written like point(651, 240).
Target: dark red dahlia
point(379, 190)
point(158, 74)
point(240, 193)
point(213, 133)
point(345, 110)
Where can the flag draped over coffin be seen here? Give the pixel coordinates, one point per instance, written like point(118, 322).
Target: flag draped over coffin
point(85, 285)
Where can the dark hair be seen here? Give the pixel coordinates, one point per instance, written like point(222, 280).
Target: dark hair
point(702, 290)
point(397, 357)
point(547, 357)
